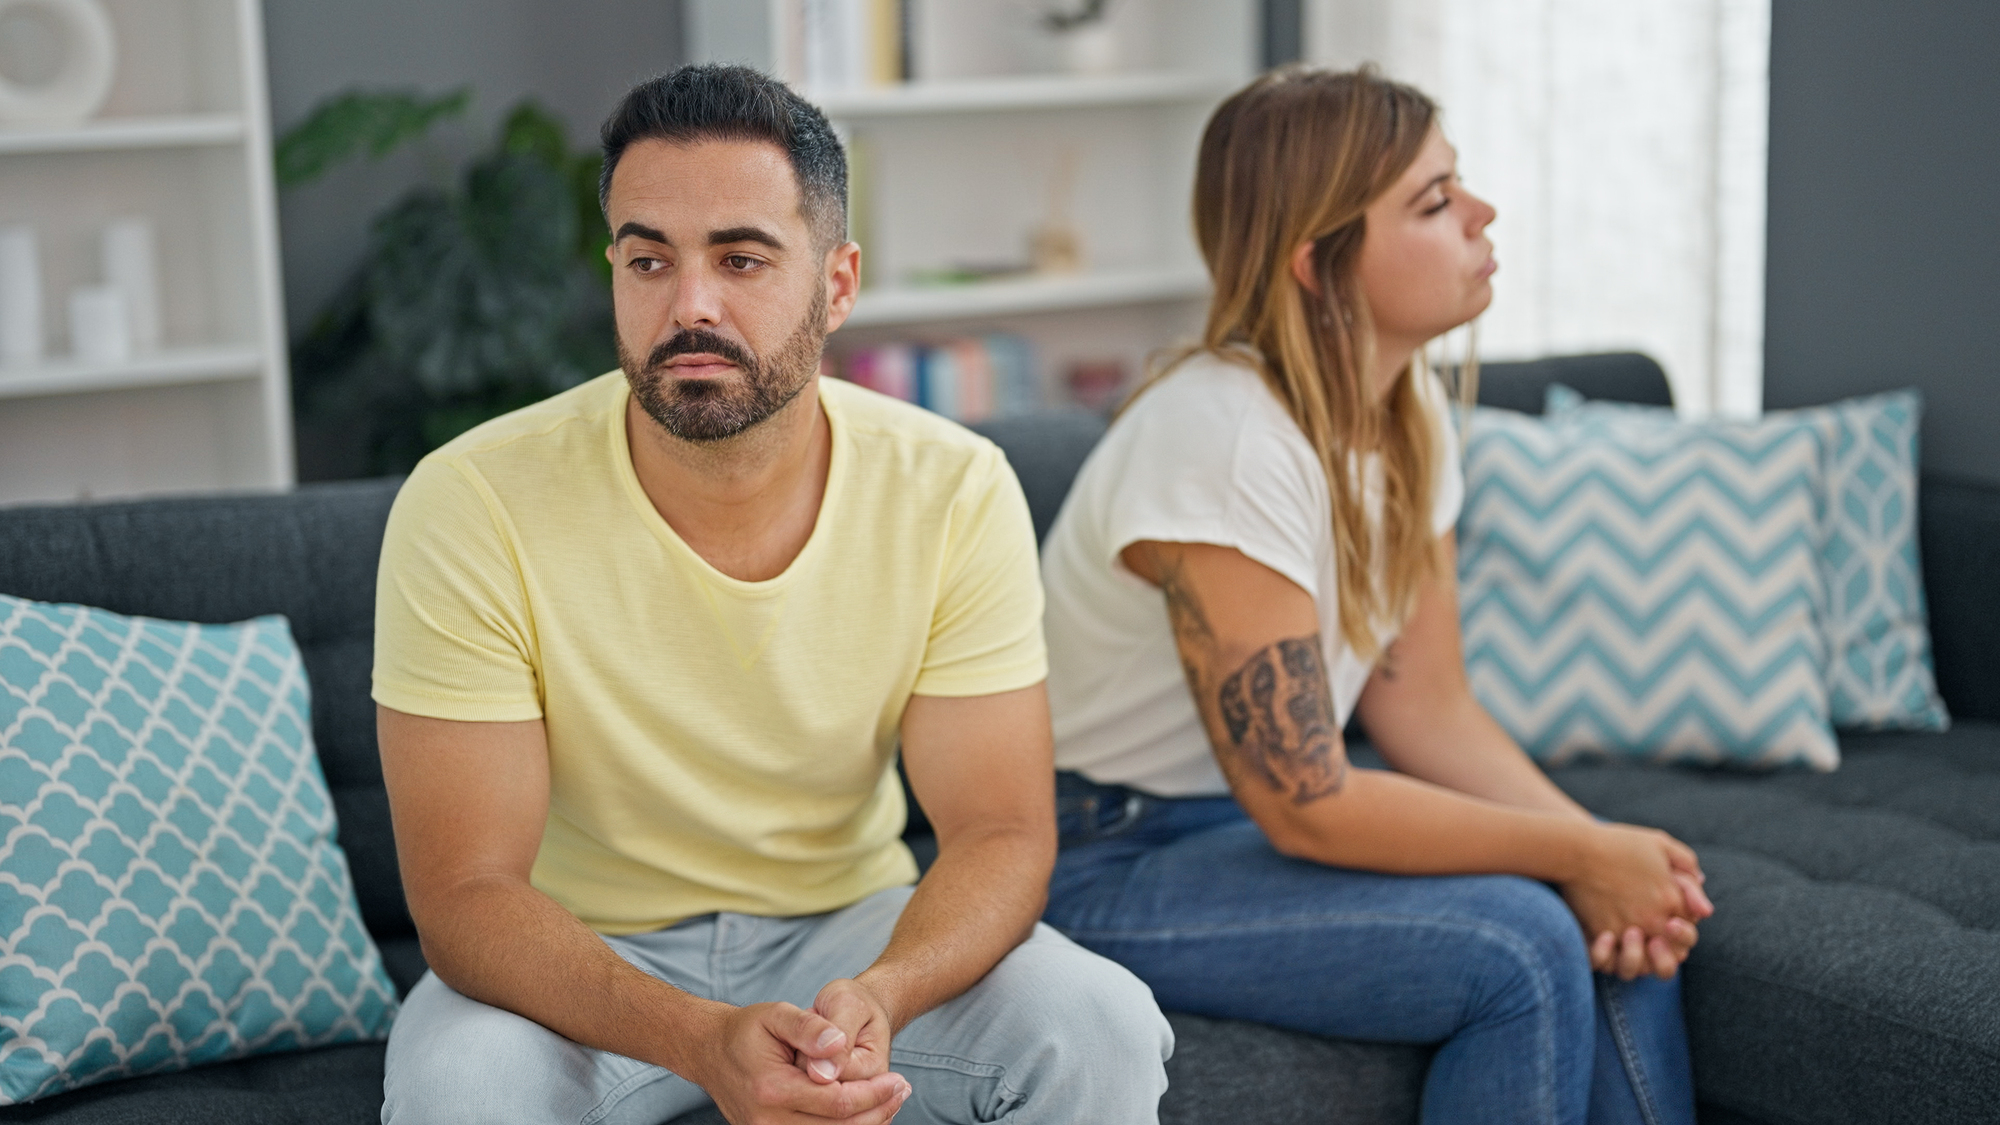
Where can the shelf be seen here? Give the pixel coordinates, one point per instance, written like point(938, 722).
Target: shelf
point(115, 133)
point(915, 305)
point(1022, 92)
point(172, 367)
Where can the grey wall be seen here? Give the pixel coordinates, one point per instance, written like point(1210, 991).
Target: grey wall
point(1884, 233)
point(576, 58)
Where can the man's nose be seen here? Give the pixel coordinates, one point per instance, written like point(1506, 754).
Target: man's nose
point(697, 299)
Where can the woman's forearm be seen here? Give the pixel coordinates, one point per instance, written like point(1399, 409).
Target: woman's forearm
point(1383, 821)
point(1460, 747)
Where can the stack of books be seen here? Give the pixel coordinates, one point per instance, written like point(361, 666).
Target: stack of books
point(968, 380)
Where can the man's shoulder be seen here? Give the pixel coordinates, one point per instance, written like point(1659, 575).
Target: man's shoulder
point(540, 429)
point(903, 438)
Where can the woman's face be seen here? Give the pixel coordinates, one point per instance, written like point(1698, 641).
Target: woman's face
point(1426, 265)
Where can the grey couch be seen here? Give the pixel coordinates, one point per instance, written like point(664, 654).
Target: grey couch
point(1851, 974)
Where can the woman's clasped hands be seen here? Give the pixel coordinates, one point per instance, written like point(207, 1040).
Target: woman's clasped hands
point(1638, 896)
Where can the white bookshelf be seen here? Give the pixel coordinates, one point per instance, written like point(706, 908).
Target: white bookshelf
point(182, 130)
point(954, 169)
point(1022, 92)
point(169, 367)
point(916, 305)
point(184, 142)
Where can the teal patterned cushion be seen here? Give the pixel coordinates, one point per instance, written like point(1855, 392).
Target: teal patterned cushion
point(1646, 591)
point(170, 889)
point(1879, 673)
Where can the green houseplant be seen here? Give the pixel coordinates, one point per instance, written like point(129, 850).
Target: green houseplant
point(471, 299)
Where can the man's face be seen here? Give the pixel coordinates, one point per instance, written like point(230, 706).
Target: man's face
point(720, 290)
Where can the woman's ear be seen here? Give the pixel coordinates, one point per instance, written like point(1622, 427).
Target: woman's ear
point(1302, 267)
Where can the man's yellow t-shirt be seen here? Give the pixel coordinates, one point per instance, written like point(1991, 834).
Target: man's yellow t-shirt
point(713, 744)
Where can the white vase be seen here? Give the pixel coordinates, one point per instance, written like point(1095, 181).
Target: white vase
point(98, 329)
point(132, 264)
point(20, 296)
point(1090, 49)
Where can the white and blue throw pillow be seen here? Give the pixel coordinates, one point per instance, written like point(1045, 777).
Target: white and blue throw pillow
point(1879, 671)
point(170, 889)
point(1646, 592)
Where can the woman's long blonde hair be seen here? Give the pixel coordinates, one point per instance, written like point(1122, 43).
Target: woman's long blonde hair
point(1297, 156)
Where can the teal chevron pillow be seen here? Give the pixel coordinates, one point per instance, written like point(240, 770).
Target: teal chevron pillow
point(1879, 672)
point(170, 889)
point(1646, 592)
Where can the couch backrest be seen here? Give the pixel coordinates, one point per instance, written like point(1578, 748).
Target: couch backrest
point(309, 555)
point(1959, 526)
point(1617, 376)
point(1047, 449)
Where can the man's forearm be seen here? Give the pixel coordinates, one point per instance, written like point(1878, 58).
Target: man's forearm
point(503, 943)
point(978, 901)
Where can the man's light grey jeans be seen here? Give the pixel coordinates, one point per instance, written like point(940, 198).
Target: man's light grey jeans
point(1053, 1034)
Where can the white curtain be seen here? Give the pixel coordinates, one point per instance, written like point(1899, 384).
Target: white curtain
point(1623, 142)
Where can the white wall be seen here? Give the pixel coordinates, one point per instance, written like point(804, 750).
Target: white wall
point(1624, 145)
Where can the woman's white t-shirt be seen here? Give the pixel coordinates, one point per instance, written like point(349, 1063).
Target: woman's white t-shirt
point(1208, 455)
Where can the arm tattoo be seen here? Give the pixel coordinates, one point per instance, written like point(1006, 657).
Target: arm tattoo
point(1278, 714)
point(1192, 632)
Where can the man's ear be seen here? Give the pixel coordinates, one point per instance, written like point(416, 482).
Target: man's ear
point(843, 282)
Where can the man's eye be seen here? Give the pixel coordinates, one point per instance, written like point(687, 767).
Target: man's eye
point(741, 262)
point(646, 265)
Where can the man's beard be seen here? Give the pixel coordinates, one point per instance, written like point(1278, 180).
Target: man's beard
point(709, 410)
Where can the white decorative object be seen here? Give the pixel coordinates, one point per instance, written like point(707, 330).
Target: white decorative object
point(20, 296)
point(98, 328)
point(131, 264)
point(57, 58)
point(1091, 49)
point(1086, 40)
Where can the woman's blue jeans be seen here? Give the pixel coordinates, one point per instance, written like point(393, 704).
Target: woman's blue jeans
point(1190, 896)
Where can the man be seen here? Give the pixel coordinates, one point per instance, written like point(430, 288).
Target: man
point(644, 655)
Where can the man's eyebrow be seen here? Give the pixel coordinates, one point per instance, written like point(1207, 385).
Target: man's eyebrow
point(759, 235)
point(1434, 181)
point(642, 231)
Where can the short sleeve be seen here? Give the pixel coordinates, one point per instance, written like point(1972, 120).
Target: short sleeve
point(1216, 460)
point(452, 633)
point(986, 631)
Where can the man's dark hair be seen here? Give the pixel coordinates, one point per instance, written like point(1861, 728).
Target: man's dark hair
point(711, 102)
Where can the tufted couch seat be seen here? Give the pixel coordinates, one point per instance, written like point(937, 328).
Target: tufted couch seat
point(1850, 975)
point(1852, 969)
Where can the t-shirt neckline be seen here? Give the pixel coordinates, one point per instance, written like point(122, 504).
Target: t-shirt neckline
point(635, 494)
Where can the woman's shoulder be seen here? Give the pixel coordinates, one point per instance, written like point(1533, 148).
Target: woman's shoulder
point(1213, 392)
point(1210, 419)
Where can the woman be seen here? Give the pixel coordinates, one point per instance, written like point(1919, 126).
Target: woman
point(1262, 545)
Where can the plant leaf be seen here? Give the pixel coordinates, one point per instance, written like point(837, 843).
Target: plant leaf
point(472, 293)
point(531, 130)
point(345, 124)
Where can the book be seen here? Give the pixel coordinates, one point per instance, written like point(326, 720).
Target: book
point(967, 379)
